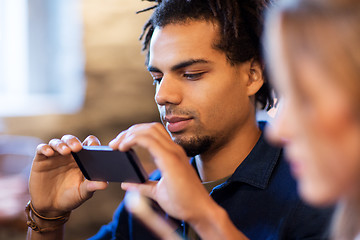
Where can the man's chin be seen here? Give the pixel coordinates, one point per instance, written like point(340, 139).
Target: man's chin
point(195, 145)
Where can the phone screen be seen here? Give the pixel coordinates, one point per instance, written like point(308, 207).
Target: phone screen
point(101, 163)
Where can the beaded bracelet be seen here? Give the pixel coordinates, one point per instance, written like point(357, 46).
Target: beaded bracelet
point(35, 227)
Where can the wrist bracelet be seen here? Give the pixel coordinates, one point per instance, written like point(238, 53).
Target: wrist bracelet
point(35, 227)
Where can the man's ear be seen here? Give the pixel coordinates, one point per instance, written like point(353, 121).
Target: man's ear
point(256, 77)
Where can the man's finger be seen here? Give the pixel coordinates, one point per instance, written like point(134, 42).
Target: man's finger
point(91, 141)
point(73, 142)
point(44, 149)
point(60, 146)
point(147, 189)
point(87, 188)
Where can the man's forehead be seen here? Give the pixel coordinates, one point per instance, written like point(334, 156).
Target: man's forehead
point(176, 43)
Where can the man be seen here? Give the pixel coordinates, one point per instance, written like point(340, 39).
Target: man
point(204, 57)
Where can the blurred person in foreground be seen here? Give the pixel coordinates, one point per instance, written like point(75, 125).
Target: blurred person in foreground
point(205, 59)
point(314, 57)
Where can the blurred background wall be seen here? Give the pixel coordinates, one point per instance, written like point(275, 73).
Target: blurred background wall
point(119, 90)
point(119, 93)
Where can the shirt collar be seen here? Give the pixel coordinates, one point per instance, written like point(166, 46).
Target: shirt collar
point(257, 167)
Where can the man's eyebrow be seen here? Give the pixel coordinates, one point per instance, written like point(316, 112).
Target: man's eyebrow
point(179, 65)
point(153, 69)
point(188, 63)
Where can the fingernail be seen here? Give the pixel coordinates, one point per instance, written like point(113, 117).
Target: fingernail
point(112, 142)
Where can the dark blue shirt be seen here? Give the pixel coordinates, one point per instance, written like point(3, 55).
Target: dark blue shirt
point(260, 198)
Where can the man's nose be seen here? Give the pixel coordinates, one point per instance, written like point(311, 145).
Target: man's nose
point(168, 91)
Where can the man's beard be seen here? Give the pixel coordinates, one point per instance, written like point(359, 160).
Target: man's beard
point(196, 145)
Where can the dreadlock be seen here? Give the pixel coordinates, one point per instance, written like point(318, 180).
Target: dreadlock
point(240, 22)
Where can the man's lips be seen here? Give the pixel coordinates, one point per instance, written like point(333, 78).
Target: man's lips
point(177, 123)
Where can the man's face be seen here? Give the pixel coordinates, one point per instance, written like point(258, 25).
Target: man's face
point(201, 97)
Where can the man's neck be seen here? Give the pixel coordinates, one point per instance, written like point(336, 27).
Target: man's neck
point(223, 161)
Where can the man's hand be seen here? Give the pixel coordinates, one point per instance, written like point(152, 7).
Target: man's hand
point(179, 191)
point(174, 165)
point(56, 183)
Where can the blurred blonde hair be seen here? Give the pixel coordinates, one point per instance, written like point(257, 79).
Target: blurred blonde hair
point(329, 32)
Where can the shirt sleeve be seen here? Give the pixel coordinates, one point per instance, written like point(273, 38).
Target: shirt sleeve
point(118, 228)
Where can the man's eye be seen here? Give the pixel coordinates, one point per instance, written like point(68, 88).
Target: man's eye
point(156, 81)
point(193, 76)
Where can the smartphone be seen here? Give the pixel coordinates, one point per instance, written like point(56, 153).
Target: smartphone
point(102, 163)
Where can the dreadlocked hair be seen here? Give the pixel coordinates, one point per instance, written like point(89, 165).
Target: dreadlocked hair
point(240, 22)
